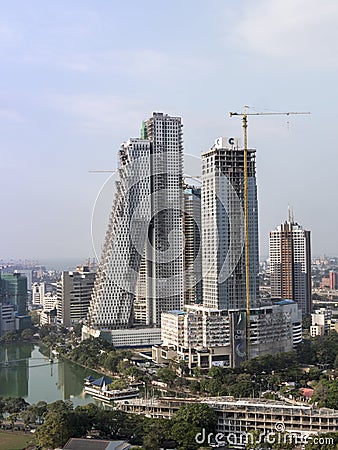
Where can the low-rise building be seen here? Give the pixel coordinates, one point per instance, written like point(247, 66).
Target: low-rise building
point(48, 317)
point(130, 337)
point(205, 337)
point(238, 417)
point(96, 444)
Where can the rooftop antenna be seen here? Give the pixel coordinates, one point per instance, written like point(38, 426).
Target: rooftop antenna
point(289, 214)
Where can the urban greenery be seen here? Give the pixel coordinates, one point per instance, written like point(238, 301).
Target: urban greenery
point(312, 365)
point(57, 422)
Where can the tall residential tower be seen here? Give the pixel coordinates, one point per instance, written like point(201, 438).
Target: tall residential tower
point(223, 231)
point(290, 264)
point(74, 292)
point(140, 273)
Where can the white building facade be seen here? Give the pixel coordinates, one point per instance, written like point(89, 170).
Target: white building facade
point(205, 337)
point(223, 230)
point(140, 273)
point(74, 292)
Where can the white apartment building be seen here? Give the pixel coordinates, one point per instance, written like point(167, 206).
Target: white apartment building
point(323, 320)
point(164, 254)
point(49, 301)
point(36, 294)
point(113, 296)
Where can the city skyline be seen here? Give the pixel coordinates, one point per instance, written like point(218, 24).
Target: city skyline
point(74, 85)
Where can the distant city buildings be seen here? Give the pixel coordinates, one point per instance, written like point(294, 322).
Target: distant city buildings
point(290, 264)
point(333, 280)
point(324, 320)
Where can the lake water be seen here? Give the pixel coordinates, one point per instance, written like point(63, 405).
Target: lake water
point(30, 375)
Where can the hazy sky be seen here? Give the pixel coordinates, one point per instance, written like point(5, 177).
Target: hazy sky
point(78, 77)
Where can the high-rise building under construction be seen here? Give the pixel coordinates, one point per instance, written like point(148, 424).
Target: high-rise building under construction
point(223, 226)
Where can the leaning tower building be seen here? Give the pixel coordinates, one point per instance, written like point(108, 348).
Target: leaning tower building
point(140, 273)
point(113, 295)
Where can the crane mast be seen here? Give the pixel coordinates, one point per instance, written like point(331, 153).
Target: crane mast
point(244, 116)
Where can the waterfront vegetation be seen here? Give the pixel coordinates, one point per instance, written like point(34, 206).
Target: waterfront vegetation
point(57, 422)
point(313, 365)
point(10, 337)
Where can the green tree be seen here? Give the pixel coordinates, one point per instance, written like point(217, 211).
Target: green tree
point(326, 394)
point(35, 318)
point(14, 405)
point(109, 423)
point(166, 375)
point(110, 361)
point(255, 440)
point(156, 431)
point(27, 334)
point(10, 336)
point(133, 372)
point(305, 352)
point(45, 330)
point(191, 420)
point(59, 426)
point(13, 418)
point(327, 441)
point(335, 364)
point(186, 434)
point(117, 384)
point(77, 330)
point(306, 322)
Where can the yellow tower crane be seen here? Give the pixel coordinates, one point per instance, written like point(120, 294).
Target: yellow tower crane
point(244, 116)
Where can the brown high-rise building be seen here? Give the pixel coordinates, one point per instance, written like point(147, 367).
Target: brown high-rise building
point(333, 280)
point(290, 264)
